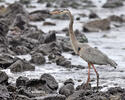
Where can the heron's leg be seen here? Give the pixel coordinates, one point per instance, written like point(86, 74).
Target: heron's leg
point(96, 75)
point(88, 74)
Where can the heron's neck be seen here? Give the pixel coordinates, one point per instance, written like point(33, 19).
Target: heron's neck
point(72, 35)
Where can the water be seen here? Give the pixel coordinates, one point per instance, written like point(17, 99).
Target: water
point(113, 45)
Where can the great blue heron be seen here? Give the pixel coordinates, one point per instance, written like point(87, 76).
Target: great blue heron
point(89, 54)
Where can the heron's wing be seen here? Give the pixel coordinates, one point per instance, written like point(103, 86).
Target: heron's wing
point(93, 55)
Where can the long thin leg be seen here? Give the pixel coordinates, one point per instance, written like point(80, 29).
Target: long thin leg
point(97, 76)
point(88, 74)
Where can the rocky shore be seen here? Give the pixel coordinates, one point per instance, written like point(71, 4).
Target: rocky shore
point(19, 37)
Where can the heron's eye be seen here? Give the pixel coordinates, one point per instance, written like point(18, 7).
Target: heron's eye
point(79, 49)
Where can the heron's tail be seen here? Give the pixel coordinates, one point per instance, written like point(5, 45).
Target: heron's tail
point(112, 63)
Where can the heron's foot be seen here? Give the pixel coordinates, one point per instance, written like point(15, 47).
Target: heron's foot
point(86, 86)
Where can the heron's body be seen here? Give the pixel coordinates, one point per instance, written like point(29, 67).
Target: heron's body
point(86, 52)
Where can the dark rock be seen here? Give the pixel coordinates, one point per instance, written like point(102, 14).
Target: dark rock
point(3, 40)
point(53, 97)
point(49, 24)
point(11, 13)
point(3, 77)
point(5, 60)
point(69, 81)
point(21, 65)
point(21, 50)
point(63, 62)
point(97, 25)
point(39, 15)
point(83, 86)
point(38, 84)
point(68, 88)
point(116, 90)
point(50, 81)
point(11, 88)
point(22, 97)
point(46, 49)
point(20, 21)
point(44, 1)
point(25, 1)
point(113, 4)
point(93, 15)
point(49, 4)
point(77, 95)
point(116, 18)
point(50, 37)
point(66, 46)
point(38, 58)
point(4, 94)
point(23, 91)
point(73, 4)
point(21, 81)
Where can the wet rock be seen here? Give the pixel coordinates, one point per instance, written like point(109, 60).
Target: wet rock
point(21, 65)
point(68, 88)
point(39, 15)
point(5, 60)
point(4, 94)
point(65, 4)
point(3, 77)
point(11, 88)
point(3, 40)
point(34, 37)
point(20, 21)
point(37, 84)
point(83, 86)
point(43, 1)
point(78, 95)
point(50, 37)
point(21, 50)
point(115, 97)
point(93, 15)
point(116, 90)
point(49, 24)
point(11, 13)
point(97, 25)
point(23, 91)
point(50, 81)
point(46, 49)
point(63, 62)
point(66, 45)
point(113, 4)
point(38, 59)
point(25, 1)
point(21, 81)
point(53, 97)
point(116, 18)
point(22, 97)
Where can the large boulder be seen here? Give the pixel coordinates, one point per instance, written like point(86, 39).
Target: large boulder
point(53, 97)
point(21, 81)
point(113, 4)
point(38, 59)
point(4, 94)
point(5, 60)
point(3, 77)
point(68, 88)
point(39, 15)
point(50, 81)
point(12, 10)
point(97, 25)
point(21, 65)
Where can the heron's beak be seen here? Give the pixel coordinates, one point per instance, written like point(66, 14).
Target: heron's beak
point(54, 12)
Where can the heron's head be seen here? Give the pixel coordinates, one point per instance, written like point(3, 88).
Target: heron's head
point(59, 12)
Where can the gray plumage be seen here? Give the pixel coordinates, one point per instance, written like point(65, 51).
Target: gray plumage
point(94, 56)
